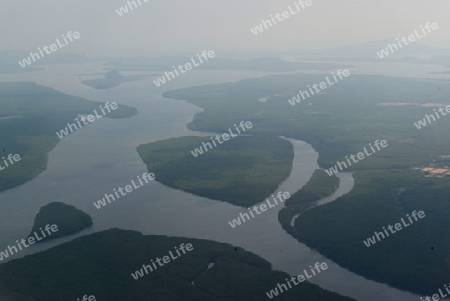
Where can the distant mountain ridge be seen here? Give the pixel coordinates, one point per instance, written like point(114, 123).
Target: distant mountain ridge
point(370, 48)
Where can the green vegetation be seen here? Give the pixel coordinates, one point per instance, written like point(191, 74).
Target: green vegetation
point(380, 199)
point(241, 171)
point(341, 122)
point(37, 113)
point(68, 219)
point(112, 79)
point(101, 264)
point(286, 214)
point(320, 185)
point(10, 296)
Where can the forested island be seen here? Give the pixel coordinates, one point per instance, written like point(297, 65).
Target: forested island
point(112, 79)
point(68, 219)
point(241, 171)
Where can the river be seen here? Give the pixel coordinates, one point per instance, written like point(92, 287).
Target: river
point(102, 156)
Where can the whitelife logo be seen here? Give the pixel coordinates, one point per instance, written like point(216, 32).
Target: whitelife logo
point(31, 240)
point(124, 9)
point(411, 38)
point(146, 268)
point(86, 120)
point(281, 17)
point(360, 155)
point(323, 85)
point(10, 157)
point(35, 56)
point(162, 80)
point(199, 151)
point(297, 280)
point(128, 188)
point(423, 122)
point(85, 298)
point(371, 240)
point(282, 196)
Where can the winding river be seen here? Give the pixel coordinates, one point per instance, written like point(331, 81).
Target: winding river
point(102, 156)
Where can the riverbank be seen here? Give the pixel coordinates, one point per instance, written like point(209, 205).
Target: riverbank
point(337, 125)
point(143, 210)
point(42, 112)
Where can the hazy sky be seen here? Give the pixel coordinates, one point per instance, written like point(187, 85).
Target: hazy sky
point(194, 25)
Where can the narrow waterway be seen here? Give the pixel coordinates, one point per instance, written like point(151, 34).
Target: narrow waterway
point(102, 156)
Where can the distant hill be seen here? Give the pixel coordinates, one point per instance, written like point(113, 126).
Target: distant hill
point(113, 75)
point(112, 79)
point(256, 64)
point(369, 49)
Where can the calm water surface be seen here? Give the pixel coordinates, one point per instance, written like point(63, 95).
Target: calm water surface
point(102, 156)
